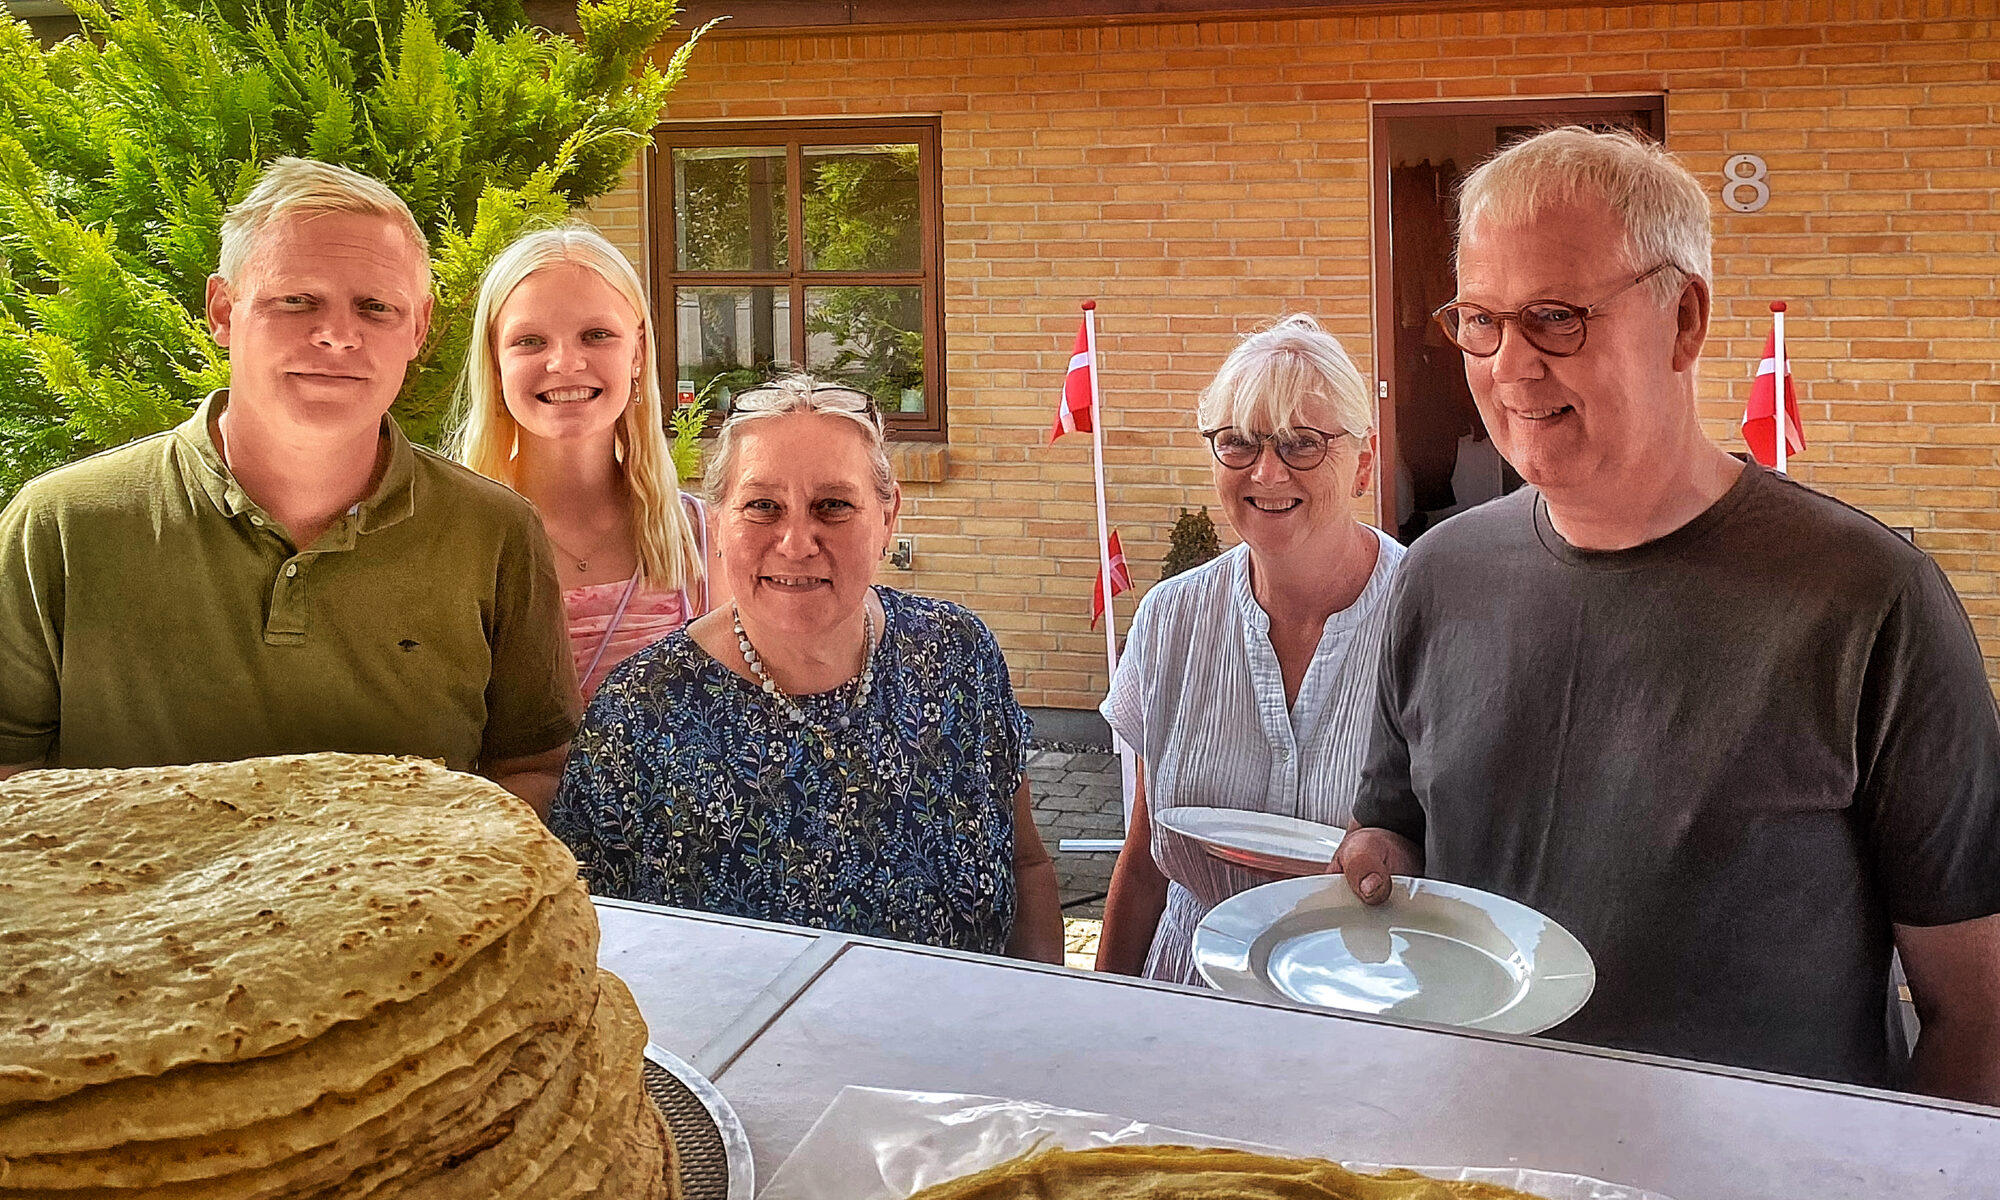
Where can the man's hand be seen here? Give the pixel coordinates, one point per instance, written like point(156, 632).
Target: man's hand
point(1369, 856)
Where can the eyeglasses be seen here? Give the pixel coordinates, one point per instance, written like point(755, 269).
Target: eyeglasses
point(1555, 327)
point(1301, 449)
point(766, 396)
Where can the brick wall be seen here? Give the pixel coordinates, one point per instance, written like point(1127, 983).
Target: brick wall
point(1199, 178)
point(618, 217)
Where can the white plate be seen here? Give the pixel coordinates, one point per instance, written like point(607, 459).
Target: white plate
point(1435, 952)
point(1266, 841)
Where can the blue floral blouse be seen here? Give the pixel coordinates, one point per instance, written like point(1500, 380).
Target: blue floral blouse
point(688, 786)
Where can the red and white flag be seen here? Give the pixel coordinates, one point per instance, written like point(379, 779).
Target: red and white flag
point(1073, 414)
point(1121, 580)
point(1759, 415)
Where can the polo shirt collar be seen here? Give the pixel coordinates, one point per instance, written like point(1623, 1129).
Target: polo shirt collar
point(393, 500)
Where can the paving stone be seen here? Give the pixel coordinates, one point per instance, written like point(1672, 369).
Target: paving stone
point(1078, 796)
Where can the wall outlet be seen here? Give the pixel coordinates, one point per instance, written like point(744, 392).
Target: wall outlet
point(902, 553)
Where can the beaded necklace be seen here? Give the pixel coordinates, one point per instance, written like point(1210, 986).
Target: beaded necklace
point(866, 681)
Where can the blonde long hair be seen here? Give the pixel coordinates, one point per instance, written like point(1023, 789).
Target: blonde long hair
point(487, 436)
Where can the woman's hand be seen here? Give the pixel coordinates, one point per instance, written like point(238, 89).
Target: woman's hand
point(1368, 856)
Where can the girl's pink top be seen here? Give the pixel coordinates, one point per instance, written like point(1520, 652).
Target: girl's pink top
point(649, 615)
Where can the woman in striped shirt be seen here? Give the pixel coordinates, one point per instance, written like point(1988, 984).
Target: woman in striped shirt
point(562, 404)
point(1246, 682)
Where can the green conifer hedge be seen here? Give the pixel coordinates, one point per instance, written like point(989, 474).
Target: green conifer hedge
point(120, 150)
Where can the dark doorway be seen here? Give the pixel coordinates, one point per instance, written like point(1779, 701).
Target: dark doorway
point(1436, 457)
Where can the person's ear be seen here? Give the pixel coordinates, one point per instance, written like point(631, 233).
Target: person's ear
point(1364, 466)
point(423, 329)
point(1690, 323)
point(220, 305)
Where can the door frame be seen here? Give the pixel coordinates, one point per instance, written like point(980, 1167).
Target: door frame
point(1382, 301)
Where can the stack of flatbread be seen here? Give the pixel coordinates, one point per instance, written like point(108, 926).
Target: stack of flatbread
point(313, 976)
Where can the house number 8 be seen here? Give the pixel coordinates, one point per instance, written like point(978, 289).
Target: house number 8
point(1745, 171)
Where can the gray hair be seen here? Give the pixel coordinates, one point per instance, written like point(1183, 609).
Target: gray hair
point(800, 393)
point(1268, 380)
point(301, 185)
point(1663, 206)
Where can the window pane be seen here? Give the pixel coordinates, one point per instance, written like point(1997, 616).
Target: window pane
point(729, 209)
point(731, 338)
point(869, 337)
point(861, 209)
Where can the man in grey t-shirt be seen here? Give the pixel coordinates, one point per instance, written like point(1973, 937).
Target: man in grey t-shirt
point(1733, 734)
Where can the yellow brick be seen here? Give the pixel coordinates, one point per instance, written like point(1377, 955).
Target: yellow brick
point(1199, 177)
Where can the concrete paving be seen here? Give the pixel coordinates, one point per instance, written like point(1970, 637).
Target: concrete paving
point(1077, 795)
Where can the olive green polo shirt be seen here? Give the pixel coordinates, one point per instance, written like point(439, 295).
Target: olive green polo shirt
point(152, 613)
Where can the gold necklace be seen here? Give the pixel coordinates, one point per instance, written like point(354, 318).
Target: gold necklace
point(582, 561)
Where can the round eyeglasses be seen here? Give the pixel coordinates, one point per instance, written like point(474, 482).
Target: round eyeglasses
point(1299, 448)
point(1555, 327)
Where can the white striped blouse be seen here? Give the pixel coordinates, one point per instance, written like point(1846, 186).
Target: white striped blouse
point(1199, 695)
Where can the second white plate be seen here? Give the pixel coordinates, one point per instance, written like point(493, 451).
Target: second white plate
point(1435, 952)
point(1267, 841)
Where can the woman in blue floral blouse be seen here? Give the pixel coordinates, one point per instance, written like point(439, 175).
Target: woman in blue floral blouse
point(823, 751)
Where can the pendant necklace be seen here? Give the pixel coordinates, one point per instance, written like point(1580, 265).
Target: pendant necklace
point(865, 681)
point(582, 563)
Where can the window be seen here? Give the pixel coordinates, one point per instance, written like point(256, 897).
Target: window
point(803, 246)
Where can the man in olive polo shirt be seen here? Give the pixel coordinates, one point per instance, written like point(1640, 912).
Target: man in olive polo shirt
point(284, 572)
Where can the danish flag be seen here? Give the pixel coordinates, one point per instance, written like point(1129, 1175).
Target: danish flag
point(1759, 415)
point(1121, 580)
point(1073, 414)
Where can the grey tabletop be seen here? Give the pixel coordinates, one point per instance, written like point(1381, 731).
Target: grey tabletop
point(851, 1011)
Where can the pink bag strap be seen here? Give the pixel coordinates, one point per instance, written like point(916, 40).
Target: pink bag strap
point(631, 586)
point(700, 519)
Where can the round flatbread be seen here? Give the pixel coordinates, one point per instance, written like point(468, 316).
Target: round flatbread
point(545, 995)
point(559, 937)
point(557, 1151)
point(223, 912)
point(1191, 1173)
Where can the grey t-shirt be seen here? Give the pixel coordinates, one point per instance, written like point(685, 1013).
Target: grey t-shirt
point(1726, 760)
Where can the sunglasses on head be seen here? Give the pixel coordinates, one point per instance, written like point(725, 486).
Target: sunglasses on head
point(766, 396)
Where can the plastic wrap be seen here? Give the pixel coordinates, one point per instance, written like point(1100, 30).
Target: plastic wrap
point(877, 1144)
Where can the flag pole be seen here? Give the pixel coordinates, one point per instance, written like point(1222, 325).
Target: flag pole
point(1127, 772)
point(1780, 416)
point(1097, 464)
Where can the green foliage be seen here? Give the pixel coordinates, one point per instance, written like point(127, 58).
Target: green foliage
point(684, 429)
point(121, 149)
point(1193, 542)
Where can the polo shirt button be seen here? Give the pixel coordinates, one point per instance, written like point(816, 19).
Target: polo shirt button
point(257, 521)
point(291, 569)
